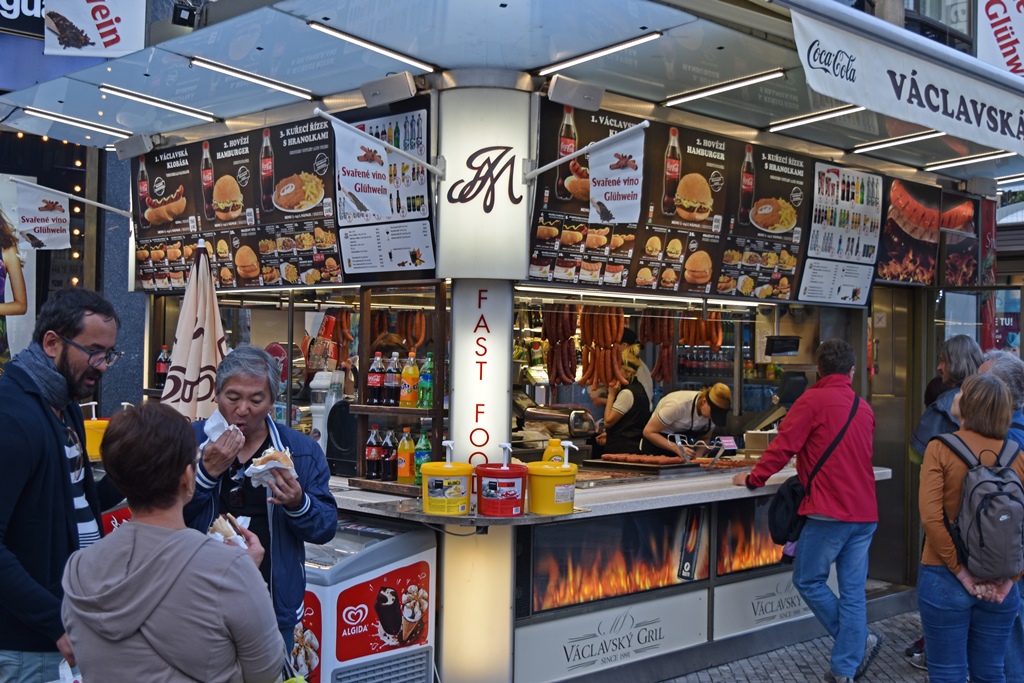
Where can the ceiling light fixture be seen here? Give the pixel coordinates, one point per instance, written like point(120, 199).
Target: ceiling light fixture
point(153, 101)
point(814, 118)
point(725, 86)
point(252, 78)
point(1006, 179)
point(323, 28)
point(88, 125)
point(972, 159)
point(603, 52)
point(900, 140)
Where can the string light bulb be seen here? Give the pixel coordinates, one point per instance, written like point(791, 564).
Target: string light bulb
point(76, 254)
point(74, 281)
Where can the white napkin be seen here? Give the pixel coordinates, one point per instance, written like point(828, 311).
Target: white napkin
point(237, 538)
point(261, 474)
point(216, 426)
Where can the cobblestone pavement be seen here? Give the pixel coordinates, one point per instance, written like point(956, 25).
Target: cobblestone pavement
point(807, 662)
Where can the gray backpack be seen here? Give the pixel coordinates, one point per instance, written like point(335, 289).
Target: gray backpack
point(989, 527)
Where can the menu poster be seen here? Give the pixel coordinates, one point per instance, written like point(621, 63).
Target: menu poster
point(762, 249)
point(910, 234)
point(959, 228)
point(835, 282)
point(405, 247)
point(164, 263)
point(566, 249)
point(165, 192)
point(229, 179)
point(293, 254)
point(297, 172)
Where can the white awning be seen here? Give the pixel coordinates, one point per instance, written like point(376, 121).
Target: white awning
point(857, 58)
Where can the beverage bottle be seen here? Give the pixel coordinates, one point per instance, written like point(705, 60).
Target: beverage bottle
point(143, 192)
point(673, 161)
point(373, 453)
point(267, 174)
point(747, 187)
point(392, 382)
point(163, 364)
point(567, 139)
point(398, 200)
point(375, 381)
point(425, 387)
point(389, 458)
point(389, 134)
point(398, 136)
point(421, 455)
point(206, 173)
point(405, 133)
point(406, 458)
point(419, 130)
point(407, 394)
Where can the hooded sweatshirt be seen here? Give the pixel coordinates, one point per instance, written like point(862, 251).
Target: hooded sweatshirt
point(168, 606)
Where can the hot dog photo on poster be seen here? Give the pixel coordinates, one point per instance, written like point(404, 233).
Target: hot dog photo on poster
point(910, 235)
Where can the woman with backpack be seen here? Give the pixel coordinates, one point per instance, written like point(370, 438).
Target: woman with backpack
point(966, 618)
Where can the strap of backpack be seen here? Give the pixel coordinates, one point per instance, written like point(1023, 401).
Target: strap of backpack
point(835, 442)
point(961, 449)
point(1008, 453)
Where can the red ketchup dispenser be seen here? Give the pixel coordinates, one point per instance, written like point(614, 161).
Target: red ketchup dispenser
point(501, 488)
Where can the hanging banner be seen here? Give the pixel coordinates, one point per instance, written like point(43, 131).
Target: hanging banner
point(364, 175)
point(998, 25)
point(43, 220)
point(87, 28)
point(616, 176)
point(850, 68)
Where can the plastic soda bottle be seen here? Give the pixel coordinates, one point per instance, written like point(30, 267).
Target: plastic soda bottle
point(375, 381)
point(410, 380)
point(389, 458)
point(425, 388)
point(406, 458)
point(392, 381)
point(422, 455)
point(373, 454)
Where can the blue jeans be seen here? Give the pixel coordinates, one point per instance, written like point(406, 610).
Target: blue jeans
point(29, 667)
point(962, 633)
point(823, 542)
point(1014, 662)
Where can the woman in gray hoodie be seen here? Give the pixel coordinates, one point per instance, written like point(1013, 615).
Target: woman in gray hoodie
point(156, 601)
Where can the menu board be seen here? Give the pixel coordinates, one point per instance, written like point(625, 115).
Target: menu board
point(845, 231)
point(959, 228)
point(910, 235)
point(720, 217)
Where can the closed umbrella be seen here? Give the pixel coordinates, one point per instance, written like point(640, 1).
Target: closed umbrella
point(199, 345)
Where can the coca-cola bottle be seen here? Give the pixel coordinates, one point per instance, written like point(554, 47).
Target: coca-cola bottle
point(143, 192)
point(373, 454)
point(163, 364)
point(567, 139)
point(392, 381)
point(389, 457)
point(747, 187)
point(375, 381)
point(206, 173)
point(673, 161)
point(267, 173)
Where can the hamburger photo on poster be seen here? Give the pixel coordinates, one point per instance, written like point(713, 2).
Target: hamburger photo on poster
point(229, 177)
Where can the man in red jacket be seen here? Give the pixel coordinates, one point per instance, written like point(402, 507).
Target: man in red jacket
point(840, 508)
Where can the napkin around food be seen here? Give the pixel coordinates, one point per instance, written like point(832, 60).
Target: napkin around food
point(261, 474)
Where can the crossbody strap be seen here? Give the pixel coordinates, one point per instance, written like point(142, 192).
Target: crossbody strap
point(835, 442)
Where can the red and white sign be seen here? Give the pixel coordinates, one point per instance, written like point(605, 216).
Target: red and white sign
point(1000, 23)
point(94, 28)
point(44, 221)
point(304, 655)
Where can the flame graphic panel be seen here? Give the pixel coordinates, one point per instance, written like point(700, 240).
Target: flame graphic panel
point(743, 539)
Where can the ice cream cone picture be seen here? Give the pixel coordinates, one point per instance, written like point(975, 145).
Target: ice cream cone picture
point(414, 608)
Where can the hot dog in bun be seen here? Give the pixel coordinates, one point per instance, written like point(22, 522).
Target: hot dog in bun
point(226, 526)
point(271, 455)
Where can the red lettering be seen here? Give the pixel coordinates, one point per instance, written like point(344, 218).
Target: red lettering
point(482, 322)
point(472, 437)
point(480, 298)
point(479, 411)
point(481, 343)
point(100, 12)
point(481, 363)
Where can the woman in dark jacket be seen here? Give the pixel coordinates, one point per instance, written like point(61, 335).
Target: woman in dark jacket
point(959, 358)
point(627, 409)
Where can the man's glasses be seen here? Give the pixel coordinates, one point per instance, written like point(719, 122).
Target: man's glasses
point(236, 495)
point(97, 357)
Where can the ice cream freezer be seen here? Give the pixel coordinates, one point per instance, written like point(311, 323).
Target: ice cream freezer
point(369, 606)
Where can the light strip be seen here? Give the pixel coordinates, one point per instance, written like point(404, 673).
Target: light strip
point(973, 159)
point(698, 93)
point(814, 118)
point(323, 28)
point(604, 52)
point(252, 78)
point(901, 140)
point(153, 101)
point(88, 125)
point(1015, 178)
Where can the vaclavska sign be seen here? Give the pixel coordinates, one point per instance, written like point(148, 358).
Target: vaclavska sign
point(888, 81)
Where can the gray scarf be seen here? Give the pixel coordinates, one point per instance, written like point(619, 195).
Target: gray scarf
point(52, 384)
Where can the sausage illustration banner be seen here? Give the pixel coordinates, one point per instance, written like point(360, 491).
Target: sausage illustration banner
point(86, 28)
point(364, 176)
point(616, 176)
point(43, 220)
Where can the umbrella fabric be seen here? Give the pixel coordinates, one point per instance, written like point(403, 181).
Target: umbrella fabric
point(199, 346)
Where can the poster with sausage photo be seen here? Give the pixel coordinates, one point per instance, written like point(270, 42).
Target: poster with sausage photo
point(296, 173)
point(958, 223)
point(165, 192)
point(910, 234)
point(229, 181)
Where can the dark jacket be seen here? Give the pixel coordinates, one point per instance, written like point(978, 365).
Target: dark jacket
point(937, 419)
point(625, 435)
point(37, 528)
point(316, 521)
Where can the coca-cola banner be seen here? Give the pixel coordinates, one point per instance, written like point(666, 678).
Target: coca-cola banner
point(616, 179)
point(43, 220)
point(848, 67)
point(92, 28)
point(998, 29)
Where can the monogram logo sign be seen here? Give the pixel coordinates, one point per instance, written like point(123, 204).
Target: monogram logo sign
point(490, 164)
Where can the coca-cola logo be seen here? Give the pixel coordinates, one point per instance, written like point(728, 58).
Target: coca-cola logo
point(838, 63)
point(490, 164)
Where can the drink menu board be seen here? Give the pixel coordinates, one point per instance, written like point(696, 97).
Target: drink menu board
point(845, 231)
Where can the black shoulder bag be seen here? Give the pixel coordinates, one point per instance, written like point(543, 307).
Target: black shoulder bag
point(784, 522)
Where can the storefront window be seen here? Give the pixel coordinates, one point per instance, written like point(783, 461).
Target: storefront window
point(954, 15)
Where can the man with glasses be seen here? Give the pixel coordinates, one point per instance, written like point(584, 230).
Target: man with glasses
point(50, 504)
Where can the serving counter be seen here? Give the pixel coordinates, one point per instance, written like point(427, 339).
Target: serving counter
point(665, 575)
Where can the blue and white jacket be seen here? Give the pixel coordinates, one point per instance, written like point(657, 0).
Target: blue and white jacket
point(314, 522)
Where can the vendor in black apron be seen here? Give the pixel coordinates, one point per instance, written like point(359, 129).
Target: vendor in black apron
point(693, 414)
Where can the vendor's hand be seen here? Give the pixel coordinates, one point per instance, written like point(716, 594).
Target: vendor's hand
point(740, 479)
point(64, 645)
point(613, 388)
point(601, 438)
point(285, 487)
point(255, 550)
point(684, 450)
point(220, 454)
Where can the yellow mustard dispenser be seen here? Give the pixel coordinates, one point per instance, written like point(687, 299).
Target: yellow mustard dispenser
point(554, 451)
point(551, 486)
point(94, 430)
point(446, 485)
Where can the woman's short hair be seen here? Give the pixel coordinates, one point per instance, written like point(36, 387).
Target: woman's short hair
point(388, 343)
point(144, 452)
point(250, 361)
point(962, 356)
point(985, 406)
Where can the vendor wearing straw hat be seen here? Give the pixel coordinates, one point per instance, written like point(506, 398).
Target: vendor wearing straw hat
point(694, 414)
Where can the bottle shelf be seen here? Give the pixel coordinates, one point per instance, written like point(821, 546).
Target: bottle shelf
point(360, 409)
